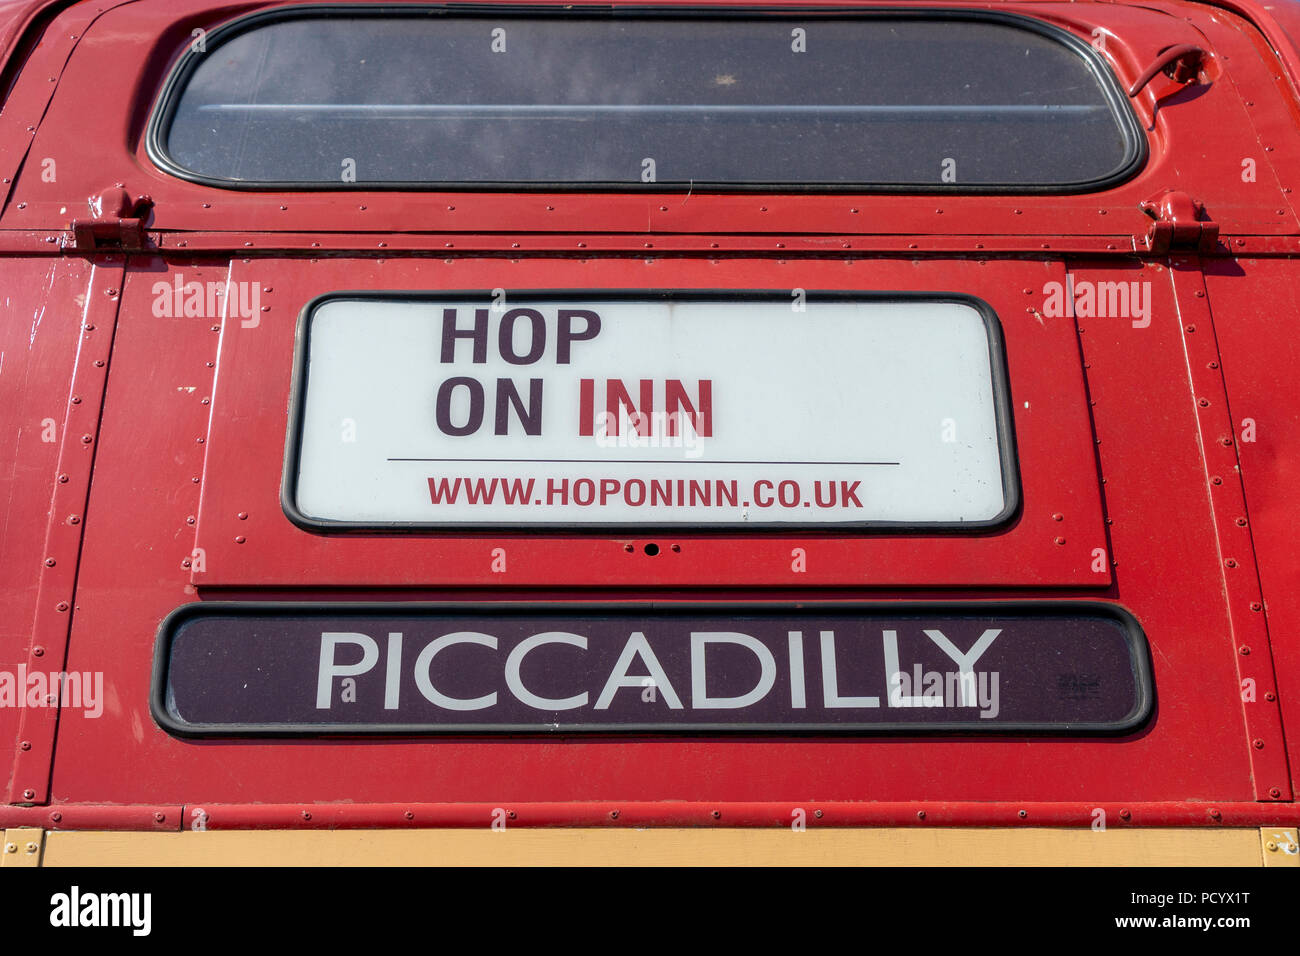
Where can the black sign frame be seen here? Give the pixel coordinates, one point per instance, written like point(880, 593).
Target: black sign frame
point(1139, 657)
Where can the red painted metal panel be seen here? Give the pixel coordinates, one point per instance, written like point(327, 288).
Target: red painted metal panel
point(1182, 156)
point(252, 394)
point(1115, 438)
point(1260, 355)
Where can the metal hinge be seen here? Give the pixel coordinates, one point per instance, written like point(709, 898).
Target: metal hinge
point(23, 846)
point(116, 223)
point(1180, 223)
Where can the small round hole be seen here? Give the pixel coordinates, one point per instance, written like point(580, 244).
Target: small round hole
point(652, 549)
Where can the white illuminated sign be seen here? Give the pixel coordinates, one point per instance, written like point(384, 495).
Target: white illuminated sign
point(570, 409)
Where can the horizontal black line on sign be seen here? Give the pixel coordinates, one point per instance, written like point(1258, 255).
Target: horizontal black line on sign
point(633, 461)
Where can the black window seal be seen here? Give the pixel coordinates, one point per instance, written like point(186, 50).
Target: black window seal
point(160, 119)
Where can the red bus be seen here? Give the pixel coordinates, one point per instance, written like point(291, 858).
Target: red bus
point(727, 432)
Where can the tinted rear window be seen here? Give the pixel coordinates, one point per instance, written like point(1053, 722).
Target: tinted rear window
point(434, 98)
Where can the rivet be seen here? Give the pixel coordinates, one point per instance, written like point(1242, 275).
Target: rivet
point(86, 439)
point(305, 814)
point(613, 814)
point(56, 816)
point(1023, 814)
point(1125, 815)
point(25, 745)
point(240, 539)
point(1215, 814)
point(242, 516)
point(1259, 744)
point(818, 814)
point(1060, 541)
point(1231, 562)
point(1274, 792)
point(920, 814)
point(1270, 696)
point(1058, 517)
point(1204, 402)
point(1244, 650)
point(29, 794)
point(717, 814)
point(1191, 328)
point(49, 562)
point(1241, 522)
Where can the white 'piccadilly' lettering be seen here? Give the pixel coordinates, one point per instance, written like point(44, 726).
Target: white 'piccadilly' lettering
point(345, 655)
